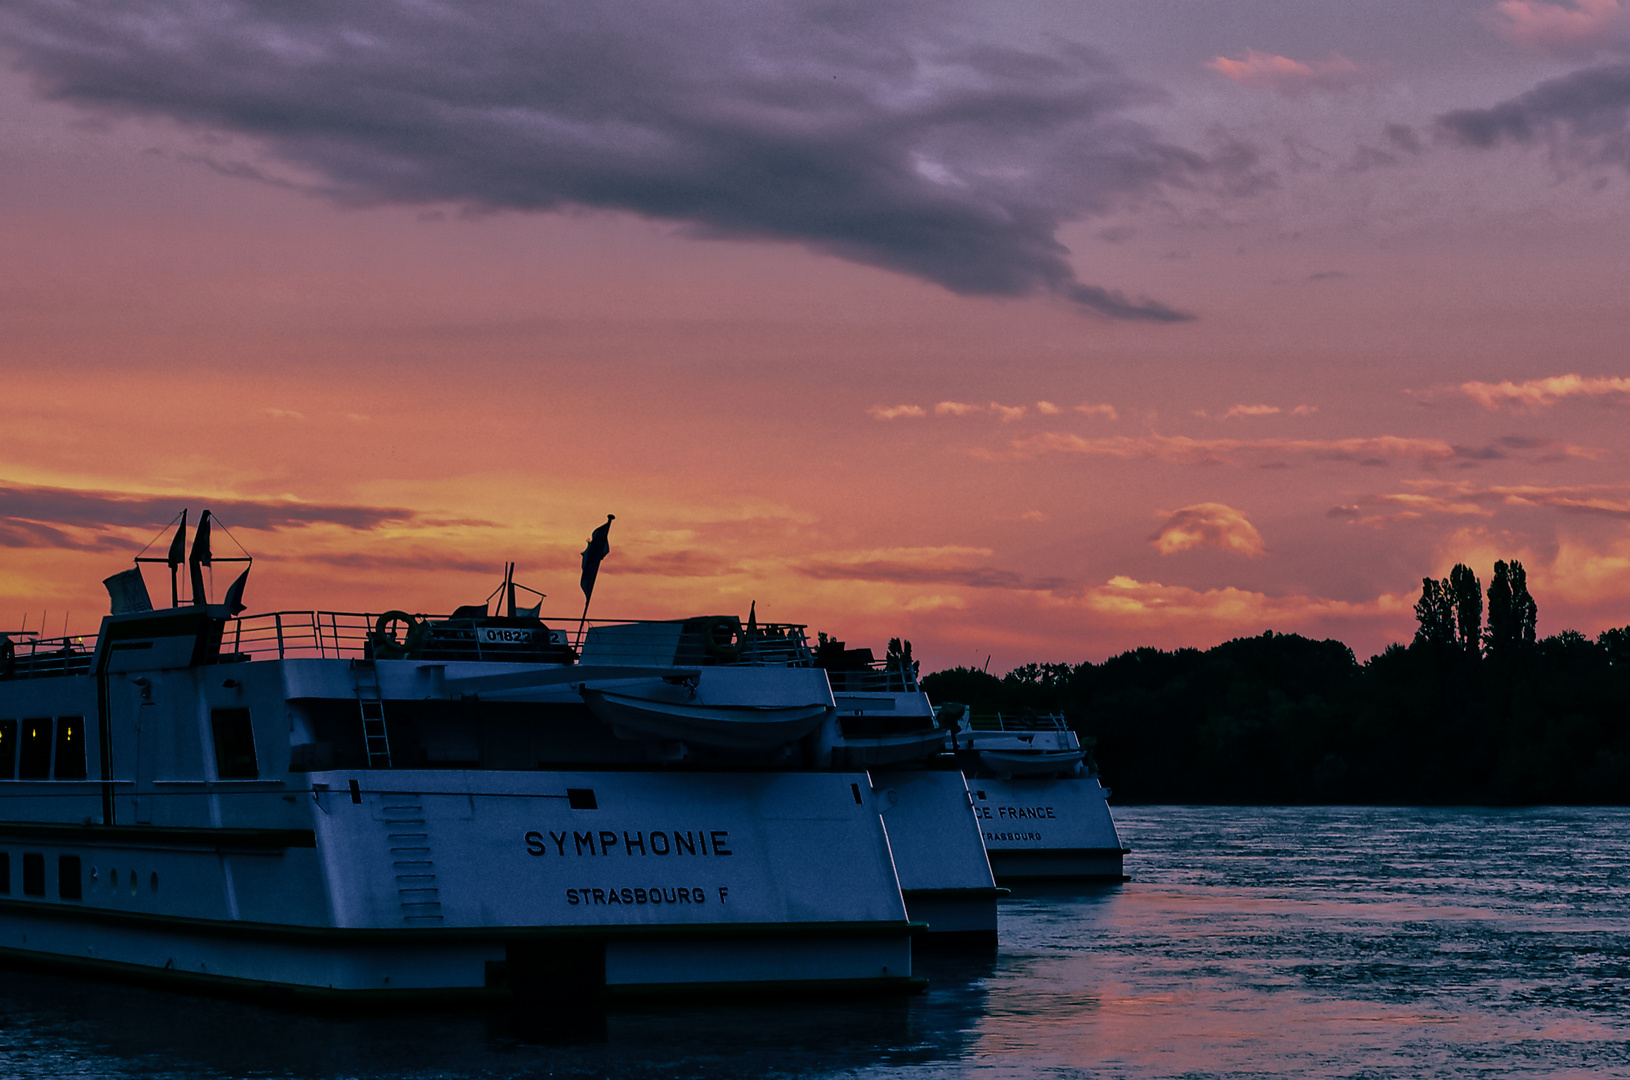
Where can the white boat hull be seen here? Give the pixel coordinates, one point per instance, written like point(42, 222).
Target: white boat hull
point(1048, 829)
point(939, 856)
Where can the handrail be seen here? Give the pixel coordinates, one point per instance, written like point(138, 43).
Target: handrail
point(1025, 721)
point(38, 657)
point(346, 634)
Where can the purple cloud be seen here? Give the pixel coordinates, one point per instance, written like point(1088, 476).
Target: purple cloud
point(869, 133)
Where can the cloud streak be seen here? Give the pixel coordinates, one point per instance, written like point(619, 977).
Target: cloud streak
point(1466, 500)
point(1183, 450)
point(1583, 117)
point(1125, 599)
point(64, 518)
point(1568, 30)
point(874, 135)
point(1548, 391)
point(1270, 71)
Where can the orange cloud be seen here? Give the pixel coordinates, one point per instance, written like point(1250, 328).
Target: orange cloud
point(1213, 525)
point(1251, 410)
point(1182, 450)
point(1572, 30)
point(1008, 413)
point(955, 408)
point(891, 412)
point(1148, 603)
point(1610, 499)
point(1538, 392)
point(1465, 500)
point(1269, 71)
point(1106, 411)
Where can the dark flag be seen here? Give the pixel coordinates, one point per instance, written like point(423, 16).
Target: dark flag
point(234, 594)
point(599, 547)
point(178, 546)
point(199, 559)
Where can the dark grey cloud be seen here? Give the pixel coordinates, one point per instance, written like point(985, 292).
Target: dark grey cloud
point(45, 517)
point(1583, 117)
point(870, 132)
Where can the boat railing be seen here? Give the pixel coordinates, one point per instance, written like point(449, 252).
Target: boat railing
point(41, 657)
point(775, 645)
point(1021, 721)
point(280, 635)
point(346, 635)
point(288, 635)
point(878, 678)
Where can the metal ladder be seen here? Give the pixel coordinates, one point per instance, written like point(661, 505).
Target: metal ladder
point(372, 705)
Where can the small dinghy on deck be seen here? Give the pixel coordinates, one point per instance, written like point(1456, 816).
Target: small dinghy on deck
point(722, 727)
point(1031, 762)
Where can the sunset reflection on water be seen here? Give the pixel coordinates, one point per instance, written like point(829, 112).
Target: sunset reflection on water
point(1373, 942)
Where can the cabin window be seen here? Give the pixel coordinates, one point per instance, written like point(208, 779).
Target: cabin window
point(70, 748)
point(234, 745)
point(8, 749)
point(34, 755)
point(69, 886)
point(5, 873)
point(33, 873)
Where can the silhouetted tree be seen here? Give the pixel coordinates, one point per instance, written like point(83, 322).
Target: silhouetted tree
point(898, 657)
point(1435, 611)
point(1513, 615)
point(1615, 645)
point(1468, 599)
point(1280, 718)
point(1523, 609)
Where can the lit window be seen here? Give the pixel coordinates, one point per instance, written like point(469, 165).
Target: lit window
point(70, 748)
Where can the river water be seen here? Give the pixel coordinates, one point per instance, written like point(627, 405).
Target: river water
point(1286, 942)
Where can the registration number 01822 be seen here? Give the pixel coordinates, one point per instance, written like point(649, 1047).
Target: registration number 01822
point(502, 635)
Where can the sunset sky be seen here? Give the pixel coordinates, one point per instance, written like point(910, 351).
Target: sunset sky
point(1027, 330)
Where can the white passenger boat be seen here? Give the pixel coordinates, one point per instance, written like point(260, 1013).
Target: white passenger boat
point(875, 718)
point(1039, 803)
point(358, 807)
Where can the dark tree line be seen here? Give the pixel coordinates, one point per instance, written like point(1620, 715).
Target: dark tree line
point(1466, 713)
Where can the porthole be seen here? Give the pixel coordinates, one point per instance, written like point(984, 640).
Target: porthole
point(132, 883)
point(113, 877)
point(152, 881)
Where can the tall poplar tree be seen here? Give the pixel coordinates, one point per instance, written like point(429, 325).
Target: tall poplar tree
point(1513, 615)
point(1435, 611)
point(1468, 601)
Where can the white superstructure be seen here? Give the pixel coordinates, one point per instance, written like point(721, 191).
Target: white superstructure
point(880, 722)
